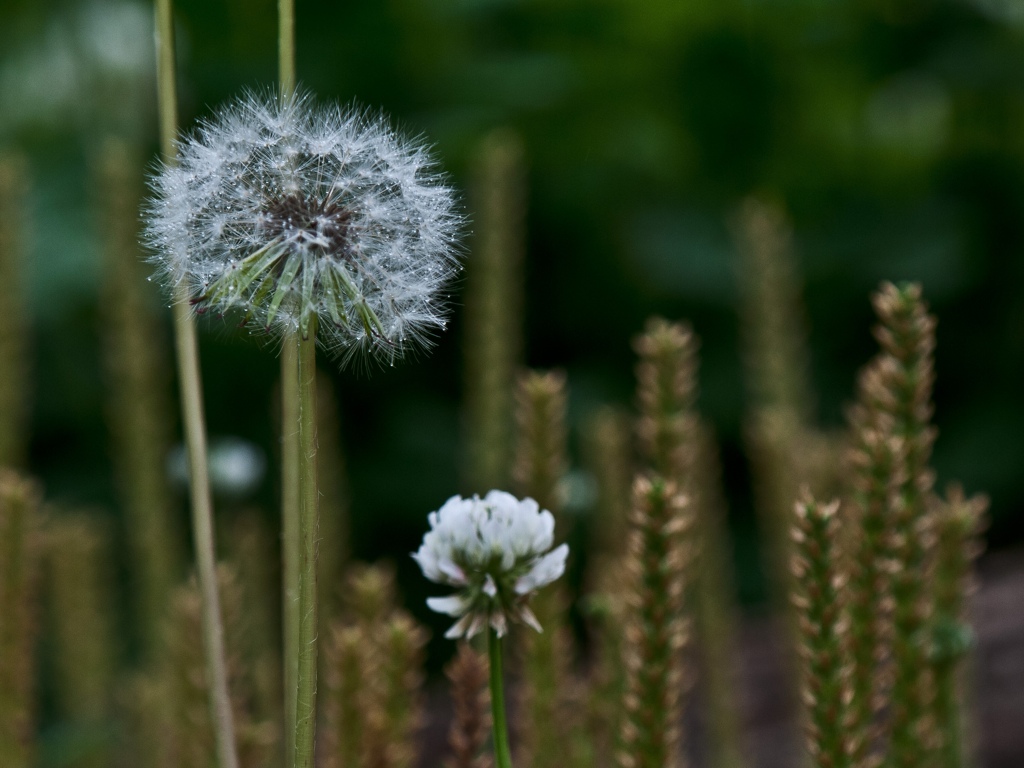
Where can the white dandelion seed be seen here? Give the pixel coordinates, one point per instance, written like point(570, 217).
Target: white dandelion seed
point(495, 550)
point(285, 211)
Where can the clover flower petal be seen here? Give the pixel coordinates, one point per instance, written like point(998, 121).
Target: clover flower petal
point(544, 571)
point(453, 605)
point(285, 212)
point(496, 550)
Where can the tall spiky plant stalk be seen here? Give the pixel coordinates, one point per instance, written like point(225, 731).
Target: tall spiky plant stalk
point(80, 584)
point(190, 383)
point(656, 627)
point(773, 318)
point(14, 345)
point(254, 551)
point(610, 459)
point(541, 437)
point(959, 524)
point(401, 641)
point(19, 554)
point(872, 470)
point(374, 677)
point(892, 498)
point(820, 579)
point(145, 710)
point(547, 721)
point(467, 736)
point(343, 707)
point(678, 447)
point(192, 736)
point(334, 499)
point(714, 606)
point(493, 344)
point(907, 336)
point(391, 669)
point(667, 396)
point(777, 363)
point(139, 404)
point(609, 453)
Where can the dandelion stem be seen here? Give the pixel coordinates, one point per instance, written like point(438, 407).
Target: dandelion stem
point(502, 754)
point(195, 427)
point(290, 450)
point(291, 545)
point(286, 46)
point(309, 505)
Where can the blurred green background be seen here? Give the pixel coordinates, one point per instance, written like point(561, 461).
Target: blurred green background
point(892, 131)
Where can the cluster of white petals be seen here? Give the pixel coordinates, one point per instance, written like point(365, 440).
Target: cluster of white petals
point(284, 211)
point(496, 551)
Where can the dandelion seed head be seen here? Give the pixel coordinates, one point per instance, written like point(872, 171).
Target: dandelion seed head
point(495, 550)
point(285, 211)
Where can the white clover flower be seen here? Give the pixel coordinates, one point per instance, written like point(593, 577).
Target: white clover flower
point(495, 550)
point(286, 211)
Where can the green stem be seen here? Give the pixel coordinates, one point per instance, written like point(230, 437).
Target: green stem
point(167, 99)
point(195, 427)
point(309, 507)
point(290, 543)
point(202, 529)
point(502, 754)
point(286, 46)
point(289, 443)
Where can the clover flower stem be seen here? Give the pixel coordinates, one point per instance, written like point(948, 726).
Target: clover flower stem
point(502, 754)
point(195, 427)
point(305, 710)
point(291, 544)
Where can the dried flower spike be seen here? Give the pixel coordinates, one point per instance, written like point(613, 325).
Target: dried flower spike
point(287, 211)
point(468, 732)
point(826, 665)
point(495, 550)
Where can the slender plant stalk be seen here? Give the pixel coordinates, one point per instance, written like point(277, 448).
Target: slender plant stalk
point(290, 541)
point(195, 427)
point(656, 626)
point(14, 348)
point(819, 597)
point(960, 522)
point(309, 508)
point(468, 673)
point(334, 501)
point(140, 401)
point(549, 724)
point(286, 46)
point(679, 447)
point(19, 555)
point(502, 753)
point(344, 711)
point(254, 549)
point(202, 530)
point(79, 579)
point(493, 342)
